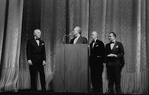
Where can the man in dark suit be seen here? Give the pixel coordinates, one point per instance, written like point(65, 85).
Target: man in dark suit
point(78, 39)
point(36, 59)
point(114, 63)
point(96, 60)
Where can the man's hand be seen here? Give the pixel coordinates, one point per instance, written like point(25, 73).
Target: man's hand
point(29, 62)
point(44, 62)
point(112, 55)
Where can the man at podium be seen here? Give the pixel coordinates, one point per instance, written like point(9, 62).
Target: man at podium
point(78, 39)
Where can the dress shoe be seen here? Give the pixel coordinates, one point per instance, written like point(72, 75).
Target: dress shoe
point(109, 92)
point(33, 90)
point(43, 90)
point(118, 92)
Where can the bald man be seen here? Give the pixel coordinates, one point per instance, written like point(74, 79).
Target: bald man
point(36, 59)
point(78, 39)
point(96, 60)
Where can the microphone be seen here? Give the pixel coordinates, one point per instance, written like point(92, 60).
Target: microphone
point(70, 34)
point(64, 37)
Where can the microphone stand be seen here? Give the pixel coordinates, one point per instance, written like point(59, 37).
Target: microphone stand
point(64, 38)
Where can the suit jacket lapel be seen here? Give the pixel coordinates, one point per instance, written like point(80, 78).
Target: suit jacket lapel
point(40, 44)
point(34, 42)
point(95, 43)
point(114, 45)
point(36, 45)
point(91, 45)
point(109, 47)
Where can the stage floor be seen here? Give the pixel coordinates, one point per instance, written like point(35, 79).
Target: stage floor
point(27, 92)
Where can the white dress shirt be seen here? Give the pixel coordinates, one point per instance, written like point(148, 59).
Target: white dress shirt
point(76, 39)
point(37, 41)
point(94, 42)
point(112, 45)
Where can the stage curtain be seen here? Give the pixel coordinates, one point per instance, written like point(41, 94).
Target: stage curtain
point(129, 19)
point(30, 21)
point(10, 39)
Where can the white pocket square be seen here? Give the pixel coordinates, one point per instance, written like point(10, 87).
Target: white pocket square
point(96, 45)
point(42, 43)
point(116, 46)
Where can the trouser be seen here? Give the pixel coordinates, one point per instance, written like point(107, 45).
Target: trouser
point(114, 76)
point(96, 74)
point(33, 73)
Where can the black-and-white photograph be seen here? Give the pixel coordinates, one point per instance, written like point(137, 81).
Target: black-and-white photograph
point(71, 47)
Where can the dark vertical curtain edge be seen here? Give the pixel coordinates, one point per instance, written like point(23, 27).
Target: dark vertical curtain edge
point(66, 39)
point(147, 33)
point(39, 14)
point(89, 28)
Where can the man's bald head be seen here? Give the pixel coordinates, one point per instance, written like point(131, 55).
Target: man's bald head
point(77, 30)
point(94, 34)
point(37, 33)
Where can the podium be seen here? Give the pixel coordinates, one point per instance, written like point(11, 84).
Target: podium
point(71, 68)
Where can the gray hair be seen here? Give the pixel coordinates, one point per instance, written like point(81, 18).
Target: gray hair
point(36, 31)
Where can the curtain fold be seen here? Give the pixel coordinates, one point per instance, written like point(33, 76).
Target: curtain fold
point(11, 45)
point(47, 34)
point(2, 20)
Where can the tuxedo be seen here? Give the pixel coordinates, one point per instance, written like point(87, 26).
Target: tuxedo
point(81, 40)
point(96, 60)
point(114, 65)
point(36, 53)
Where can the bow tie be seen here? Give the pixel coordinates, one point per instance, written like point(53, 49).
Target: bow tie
point(37, 38)
point(93, 41)
point(75, 37)
point(111, 42)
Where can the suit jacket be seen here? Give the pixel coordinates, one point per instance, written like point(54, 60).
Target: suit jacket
point(81, 40)
point(119, 51)
point(98, 50)
point(36, 53)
